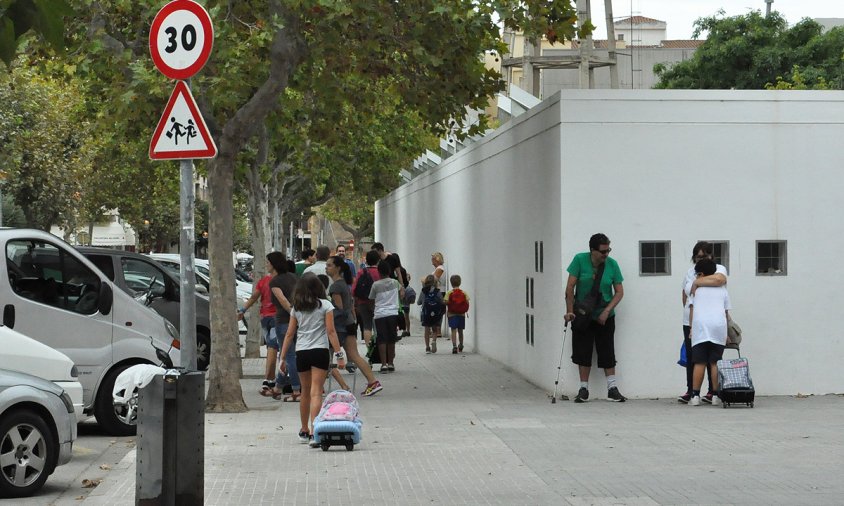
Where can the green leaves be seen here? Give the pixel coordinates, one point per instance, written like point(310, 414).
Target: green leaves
point(44, 17)
point(752, 51)
point(45, 148)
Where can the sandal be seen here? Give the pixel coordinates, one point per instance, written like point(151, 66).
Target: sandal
point(294, 397)
point(267, 389)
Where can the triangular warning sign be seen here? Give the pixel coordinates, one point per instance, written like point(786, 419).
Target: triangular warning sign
point(181, 133)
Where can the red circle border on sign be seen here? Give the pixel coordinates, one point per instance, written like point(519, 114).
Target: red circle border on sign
point(205, 21)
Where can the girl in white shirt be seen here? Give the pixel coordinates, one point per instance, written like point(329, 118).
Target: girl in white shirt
point(386, 292)
point(312, 322)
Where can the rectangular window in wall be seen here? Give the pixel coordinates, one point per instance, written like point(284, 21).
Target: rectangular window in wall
point(771, 258)
point(654, 258)
point(721, 253)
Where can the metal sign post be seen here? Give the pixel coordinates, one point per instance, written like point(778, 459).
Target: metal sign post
point(171, 425)
point(180, 41)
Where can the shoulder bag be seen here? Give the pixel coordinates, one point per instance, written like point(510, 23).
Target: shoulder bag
point(583, 309)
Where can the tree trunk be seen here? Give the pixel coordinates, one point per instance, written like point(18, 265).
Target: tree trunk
point(286, 52)
point(256, 202)
point(224, 392)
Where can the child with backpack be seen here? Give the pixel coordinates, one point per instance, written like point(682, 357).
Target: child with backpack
point(431, 301)
point(364, 307)
point(457, 303)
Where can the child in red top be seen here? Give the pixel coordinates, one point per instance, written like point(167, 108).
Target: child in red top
point(267, 312)
point(457, 302)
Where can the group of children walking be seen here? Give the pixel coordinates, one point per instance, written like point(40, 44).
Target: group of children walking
point(454, 304)
point(310, 322)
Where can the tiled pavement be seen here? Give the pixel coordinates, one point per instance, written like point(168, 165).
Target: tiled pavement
point(462, 429)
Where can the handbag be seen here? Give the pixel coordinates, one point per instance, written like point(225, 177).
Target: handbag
point(584, 308)
point(733, 333)
point(683, 362)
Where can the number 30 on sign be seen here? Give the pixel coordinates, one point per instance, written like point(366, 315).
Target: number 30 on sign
point(180, 39)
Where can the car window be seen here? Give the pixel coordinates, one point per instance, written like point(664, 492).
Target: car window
point(202, 280)
point(139, 275)
point(103, 263)
point(43, 272)
point(174, 269)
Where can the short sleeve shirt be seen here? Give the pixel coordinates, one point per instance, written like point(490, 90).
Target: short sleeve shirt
point(687, 286)
point(395, 263)
point(267, 306)
point(582, 269)
point(317, 268)
point(385, 293)
point(287, 282)
point(310, 330)
point(341, 316)
point(709, 322)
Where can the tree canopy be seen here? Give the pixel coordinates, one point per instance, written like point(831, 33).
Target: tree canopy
point(20, 17)
point(752, 51)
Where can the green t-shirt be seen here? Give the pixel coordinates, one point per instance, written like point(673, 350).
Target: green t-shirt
point(581, 268)
point(300, 267)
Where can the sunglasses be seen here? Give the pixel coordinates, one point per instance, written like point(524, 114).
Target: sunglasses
point(604, 251)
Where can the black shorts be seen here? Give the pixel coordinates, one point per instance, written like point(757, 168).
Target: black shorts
point(601, 337)
point(385, 328)
point(707, 352)
point(318, 358)
point(352, 329)
point(364, 314)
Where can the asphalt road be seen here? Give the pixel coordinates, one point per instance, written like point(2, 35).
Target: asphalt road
point(94, 454)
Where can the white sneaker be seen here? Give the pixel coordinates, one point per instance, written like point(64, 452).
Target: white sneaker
point(716, 401)
point(695, 401)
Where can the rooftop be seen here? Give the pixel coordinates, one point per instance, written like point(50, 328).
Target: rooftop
point(638, 20)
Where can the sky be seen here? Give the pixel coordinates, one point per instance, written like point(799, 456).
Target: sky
point(681, 14)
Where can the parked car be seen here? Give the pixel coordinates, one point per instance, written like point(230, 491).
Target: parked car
point(203, 267)
point(152, 283)
point(53, 294)
point(23, 354)
point(203, 276)
point(37, 430)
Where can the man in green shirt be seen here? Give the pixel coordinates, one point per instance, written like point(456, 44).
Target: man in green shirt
point(308, 259)
point(600, 332)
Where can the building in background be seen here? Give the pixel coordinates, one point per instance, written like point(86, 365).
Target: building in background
point(111, 232)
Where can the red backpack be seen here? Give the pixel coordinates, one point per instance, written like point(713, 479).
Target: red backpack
point(457, 302)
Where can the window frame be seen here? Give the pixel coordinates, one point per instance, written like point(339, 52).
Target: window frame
point(667, 258)
point(69, 268)
point(725, 252)
point(783, 257)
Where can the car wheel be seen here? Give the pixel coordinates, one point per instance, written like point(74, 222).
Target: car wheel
point(115, 419)
point(203, 349)
point(28, 453)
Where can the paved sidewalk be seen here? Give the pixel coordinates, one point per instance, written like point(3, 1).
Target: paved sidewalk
point(460, 429)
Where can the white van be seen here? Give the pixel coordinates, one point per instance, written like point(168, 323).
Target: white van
point(53, 294)
point(22, 354)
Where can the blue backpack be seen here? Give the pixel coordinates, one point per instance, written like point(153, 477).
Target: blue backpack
point(432, 305)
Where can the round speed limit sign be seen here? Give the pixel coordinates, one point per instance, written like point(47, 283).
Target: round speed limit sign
point(180, 39)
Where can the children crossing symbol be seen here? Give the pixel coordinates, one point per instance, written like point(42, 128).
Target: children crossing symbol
point(181, 133)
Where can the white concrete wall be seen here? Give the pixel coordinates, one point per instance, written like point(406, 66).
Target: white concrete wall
point(667, 165)
point(484, 208)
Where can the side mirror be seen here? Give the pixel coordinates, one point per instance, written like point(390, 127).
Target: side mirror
point(201, 289)
point(9, 316)
point(106, 298)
